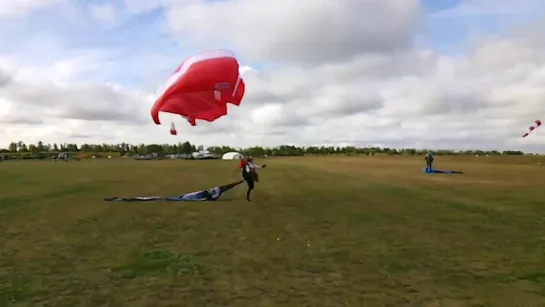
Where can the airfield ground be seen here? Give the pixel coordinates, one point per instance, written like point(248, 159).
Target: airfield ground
point(341, 231)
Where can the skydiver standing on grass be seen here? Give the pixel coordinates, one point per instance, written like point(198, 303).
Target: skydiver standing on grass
point(429, 161)
point(249, 175)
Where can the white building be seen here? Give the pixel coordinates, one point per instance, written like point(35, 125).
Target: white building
point(232, 156)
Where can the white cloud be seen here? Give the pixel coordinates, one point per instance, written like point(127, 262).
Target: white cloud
point(142, 6)
point(90, 102)
point(326, 74)
point(304, 31)
point(104, 13)
point(19, 8)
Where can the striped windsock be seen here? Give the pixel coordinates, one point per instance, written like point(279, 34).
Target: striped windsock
point(536, 124)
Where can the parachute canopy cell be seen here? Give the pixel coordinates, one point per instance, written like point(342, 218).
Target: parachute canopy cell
point(201, 88)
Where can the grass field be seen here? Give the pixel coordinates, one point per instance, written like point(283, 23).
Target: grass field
point(346, 231)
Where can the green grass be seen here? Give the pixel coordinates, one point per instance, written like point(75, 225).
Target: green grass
point(361, 231)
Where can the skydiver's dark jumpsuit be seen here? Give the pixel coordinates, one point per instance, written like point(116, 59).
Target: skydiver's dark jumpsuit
point(429, 161)
point(248, 176)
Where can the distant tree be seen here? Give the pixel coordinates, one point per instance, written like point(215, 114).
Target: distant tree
point(22, 147)
point(187, 148)
point(512, 153)
point(86, 148)
point(154, 148)
point(13, 147)
point(39, 149)
point(40, 146)
point(33, 149)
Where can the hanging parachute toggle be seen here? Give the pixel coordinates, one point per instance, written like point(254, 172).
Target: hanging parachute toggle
point(173, 129)
point(536, 125)
point(201, 88)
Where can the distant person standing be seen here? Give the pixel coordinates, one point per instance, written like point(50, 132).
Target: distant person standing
point(249, 175)
point(62, 156)
point(429, 161)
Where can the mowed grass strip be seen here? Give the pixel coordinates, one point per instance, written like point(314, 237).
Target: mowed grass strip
point(323, 231)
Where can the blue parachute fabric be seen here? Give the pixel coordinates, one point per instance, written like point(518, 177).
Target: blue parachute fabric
point(195, 196)
point(184, 198)
point(203, 195)
point(436, 171)
point(134, 199)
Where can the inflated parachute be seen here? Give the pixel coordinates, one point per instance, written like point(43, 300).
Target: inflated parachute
point(201, 88)
point(536, 125)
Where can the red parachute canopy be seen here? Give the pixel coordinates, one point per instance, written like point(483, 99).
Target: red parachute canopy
point(536, 124)
point(201, 88)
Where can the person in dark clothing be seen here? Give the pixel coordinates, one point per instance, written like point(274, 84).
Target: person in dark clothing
point(249, 175)
point(429, 161)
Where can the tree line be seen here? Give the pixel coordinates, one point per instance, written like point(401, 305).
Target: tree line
point(41, 149)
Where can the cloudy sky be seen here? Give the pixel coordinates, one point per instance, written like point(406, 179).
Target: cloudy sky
point(401, 73)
